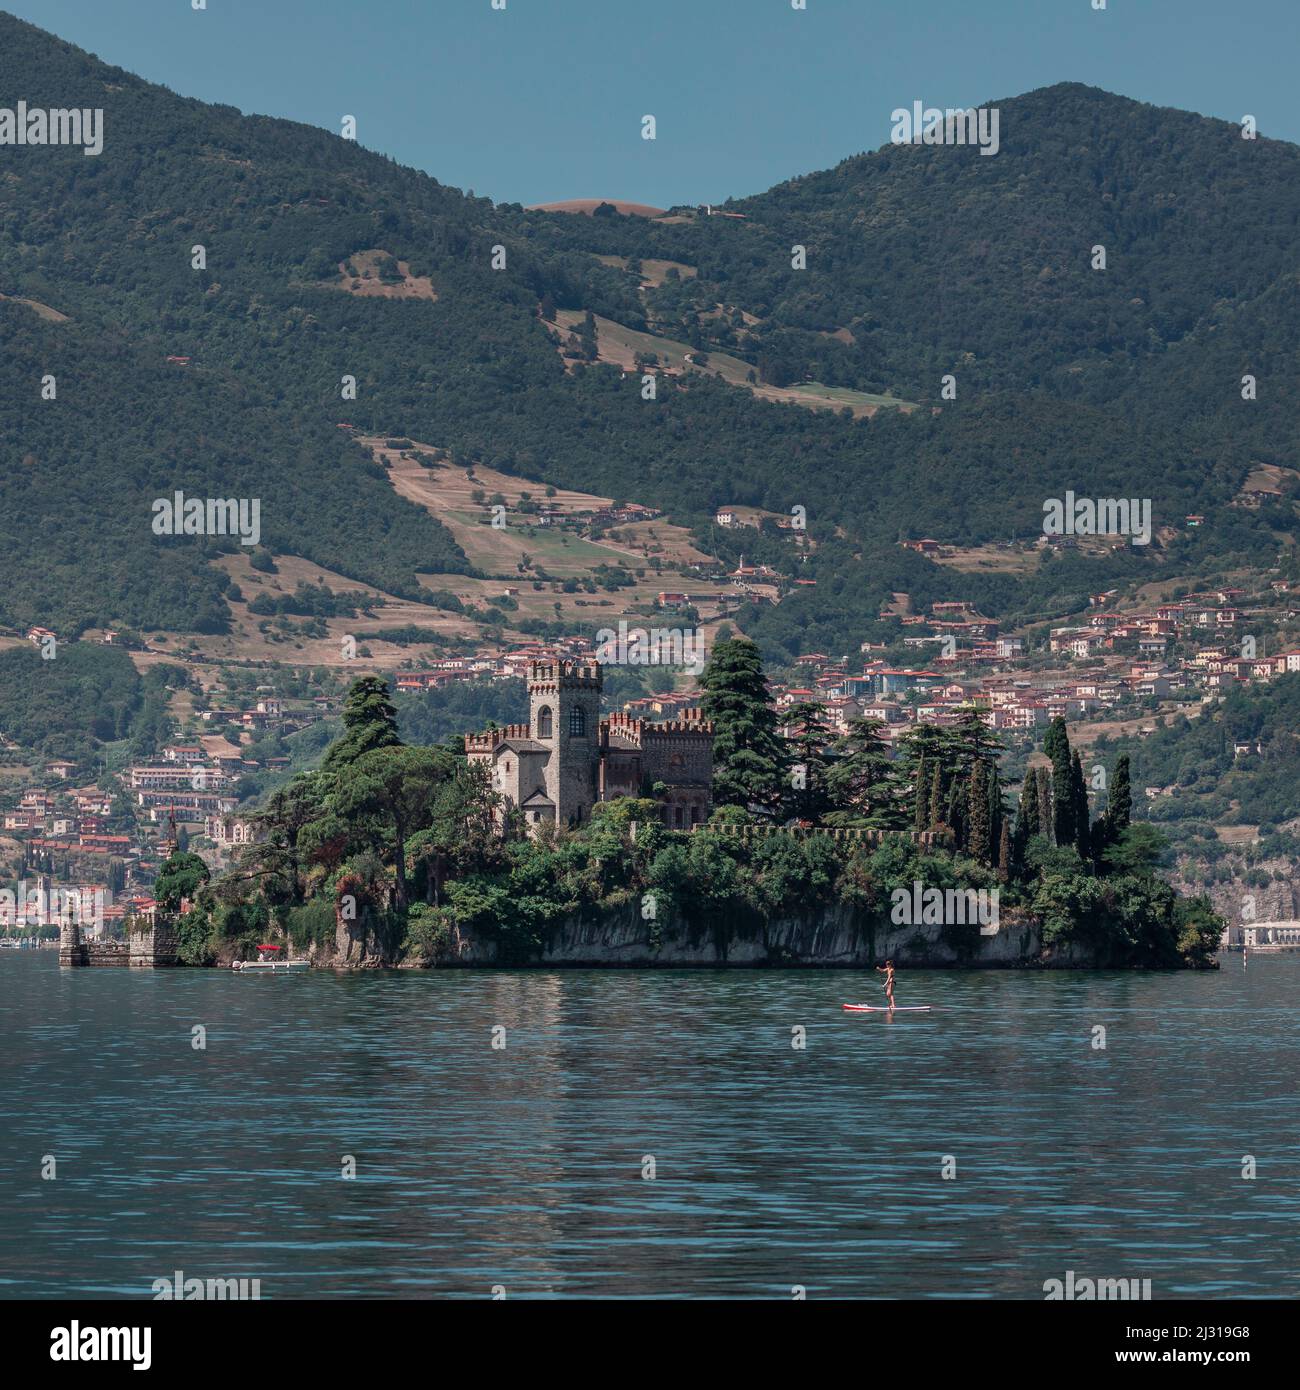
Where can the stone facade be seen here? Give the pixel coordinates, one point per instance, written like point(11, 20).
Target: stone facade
point(566, 758)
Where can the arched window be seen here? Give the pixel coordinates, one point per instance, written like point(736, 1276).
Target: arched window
point(577, 722)
point(544, 722)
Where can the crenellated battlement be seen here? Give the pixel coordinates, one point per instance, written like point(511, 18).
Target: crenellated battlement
point(691, 723)
point(550, 676)
point(486, 742)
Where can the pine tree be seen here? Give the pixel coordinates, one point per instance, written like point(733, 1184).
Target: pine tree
point(369, 722)
point(749, 756)
point(861, 779)
point(807, 735)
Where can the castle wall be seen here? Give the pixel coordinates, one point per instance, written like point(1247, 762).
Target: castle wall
point(154, 945)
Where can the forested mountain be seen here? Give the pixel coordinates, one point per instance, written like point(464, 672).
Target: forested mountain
point(1237, 762)
point(920, 260)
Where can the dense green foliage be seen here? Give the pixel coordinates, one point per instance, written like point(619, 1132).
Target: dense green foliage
point(1127, 378)
point(86, 695)
point(434, 716)
point(1237, 761)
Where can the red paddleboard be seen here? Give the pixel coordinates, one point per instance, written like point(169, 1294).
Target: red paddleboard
point(881, 1009)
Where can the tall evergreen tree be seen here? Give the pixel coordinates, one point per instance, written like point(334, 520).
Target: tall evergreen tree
point(993, 783)
point(749, 756)
point(955, 812)
point(1027, 820)
point(807, 734)
point(979, 840)
point(921, 797)
point(1046, 815)
point(1057, 747)
point(936, 799)
point(1082, 825)
point(369, 722)
point(862, 779)
point(1119, 804)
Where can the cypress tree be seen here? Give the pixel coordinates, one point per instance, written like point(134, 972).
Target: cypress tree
point(994, 784)
point(1082, 829)
point(921, 797)
point(1119, 805)
point(955, 815)
point(1027, 822)
point(936, 799)
point(1004, 852)
point(1046, 824)
point(979, 839)
point(1064, 806)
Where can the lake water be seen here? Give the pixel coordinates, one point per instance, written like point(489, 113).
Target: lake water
point(774, 1167)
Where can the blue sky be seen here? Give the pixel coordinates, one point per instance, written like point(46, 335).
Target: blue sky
point(544, 100)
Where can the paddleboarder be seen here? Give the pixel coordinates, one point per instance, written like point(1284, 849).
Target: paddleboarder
point(887, 970)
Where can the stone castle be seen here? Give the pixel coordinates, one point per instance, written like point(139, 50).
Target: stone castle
point(566, 758)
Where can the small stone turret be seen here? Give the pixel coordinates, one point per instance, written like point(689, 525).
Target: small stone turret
point(71, 950)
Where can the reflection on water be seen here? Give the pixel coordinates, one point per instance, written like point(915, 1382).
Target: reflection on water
point(522, 1166)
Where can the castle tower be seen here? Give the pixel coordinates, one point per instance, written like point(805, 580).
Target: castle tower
point(564, 714)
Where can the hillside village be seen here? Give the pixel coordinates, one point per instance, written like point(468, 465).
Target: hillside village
point(1119, 668)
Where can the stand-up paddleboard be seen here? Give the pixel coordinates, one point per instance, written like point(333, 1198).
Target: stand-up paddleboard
point(884, 1009)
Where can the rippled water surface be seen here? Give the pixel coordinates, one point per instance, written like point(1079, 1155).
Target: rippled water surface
point(523, 1166)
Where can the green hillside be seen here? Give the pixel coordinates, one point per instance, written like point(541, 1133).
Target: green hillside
point(1123, 383)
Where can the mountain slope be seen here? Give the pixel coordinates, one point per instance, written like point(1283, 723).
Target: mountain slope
point(921, 261)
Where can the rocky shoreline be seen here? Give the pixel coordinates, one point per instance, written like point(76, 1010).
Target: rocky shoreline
point(836, 938)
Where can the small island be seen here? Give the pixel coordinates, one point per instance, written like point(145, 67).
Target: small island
point(802, 846)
